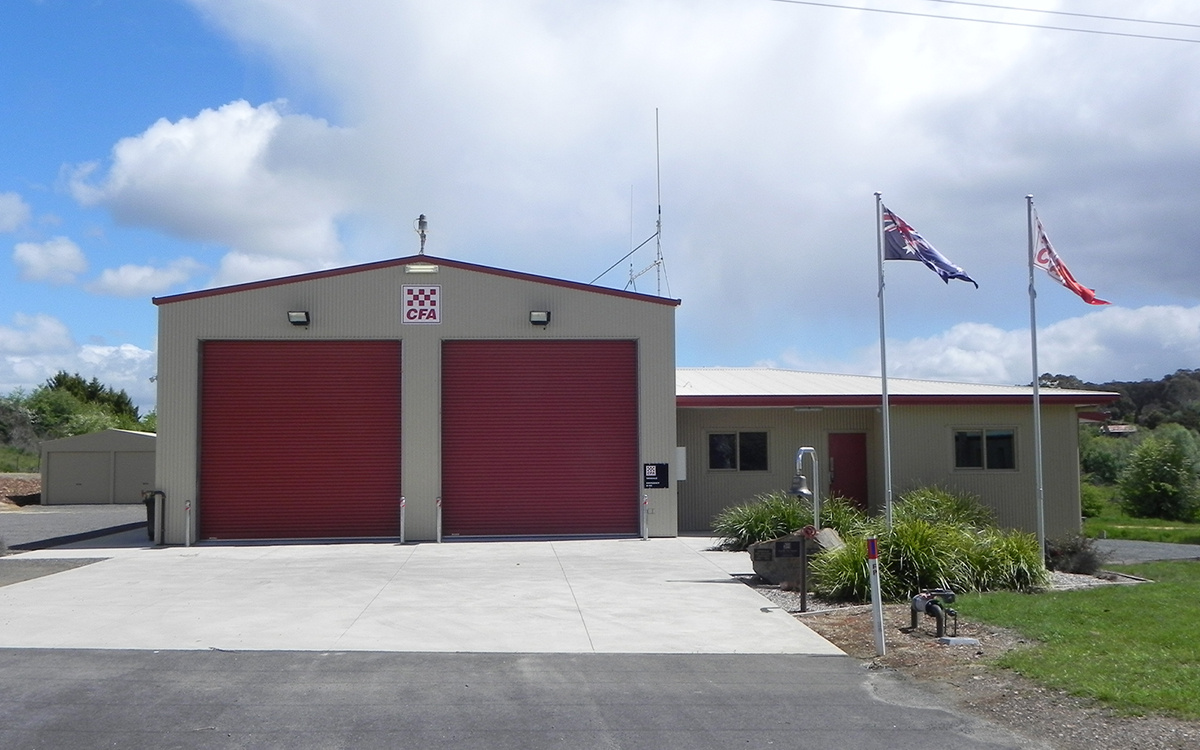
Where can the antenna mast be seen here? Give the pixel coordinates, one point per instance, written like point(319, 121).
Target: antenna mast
point(421, 226)
point(658, 265)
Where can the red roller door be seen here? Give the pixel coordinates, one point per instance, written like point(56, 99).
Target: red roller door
point(300, 439)
point(539, 437)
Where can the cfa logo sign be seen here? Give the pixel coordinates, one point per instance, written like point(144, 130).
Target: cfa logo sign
point(422, 305)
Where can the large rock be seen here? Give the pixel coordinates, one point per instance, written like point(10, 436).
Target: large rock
point(779, 561)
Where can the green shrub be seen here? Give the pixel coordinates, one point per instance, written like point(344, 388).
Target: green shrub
point(774, 514)
point(1160, 481)
point(1103, 456)
point(768, 516)
point(1008, 560)
point(937, 540)
point(843, 515)
point(939, 505)
point(1091, 499)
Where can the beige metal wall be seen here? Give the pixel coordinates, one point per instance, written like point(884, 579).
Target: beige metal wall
point(367, 304)
point(706, 492)
point(922, 454)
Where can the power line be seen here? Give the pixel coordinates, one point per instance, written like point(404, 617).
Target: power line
point(991, 21)
point(1069, 13)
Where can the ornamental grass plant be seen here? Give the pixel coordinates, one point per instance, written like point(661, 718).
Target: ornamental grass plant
point(937, 540)
point(774, 514)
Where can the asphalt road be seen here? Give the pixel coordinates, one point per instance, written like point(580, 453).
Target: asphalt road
point(66, 700)
point(44, 526)
point(1128, 552)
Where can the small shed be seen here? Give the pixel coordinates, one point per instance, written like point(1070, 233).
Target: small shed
point(106, 467)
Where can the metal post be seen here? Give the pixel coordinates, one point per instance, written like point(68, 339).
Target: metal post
point(645, 517)
point(804, 574)
point(187, 523)
point(439, 520)
point(876, 595)
point(402, 508)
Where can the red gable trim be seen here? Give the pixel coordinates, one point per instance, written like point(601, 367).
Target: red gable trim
point(365, 267)
point(769, 402)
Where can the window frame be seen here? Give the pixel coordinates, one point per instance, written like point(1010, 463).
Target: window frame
point(738, 450)
point(1004, 433)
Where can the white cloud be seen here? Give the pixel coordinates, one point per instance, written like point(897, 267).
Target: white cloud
point(252, 178)
point(526, 132)
point(57, 261)
point(1108, 344)
point(36, 347)
point(34, 334)
point(140, 281)
point(14, 212)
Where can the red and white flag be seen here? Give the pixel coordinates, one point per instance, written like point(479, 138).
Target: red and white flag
point(1046, 259)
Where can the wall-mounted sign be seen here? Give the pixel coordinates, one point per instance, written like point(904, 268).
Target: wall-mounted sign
point(422, 305)
point(654, 477)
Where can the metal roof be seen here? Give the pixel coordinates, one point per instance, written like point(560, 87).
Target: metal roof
point(412, 259)
point(764, 386)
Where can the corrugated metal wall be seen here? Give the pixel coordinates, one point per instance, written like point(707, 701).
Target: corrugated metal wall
point(367, 305)
point(922, 455)
point(707, 492)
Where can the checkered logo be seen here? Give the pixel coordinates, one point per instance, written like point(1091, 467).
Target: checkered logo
point(422, 305)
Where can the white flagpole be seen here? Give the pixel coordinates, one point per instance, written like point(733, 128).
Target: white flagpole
point(1037, 398)
point(887, 426)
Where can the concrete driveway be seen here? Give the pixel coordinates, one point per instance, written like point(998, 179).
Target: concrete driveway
point(593, 596)
point(567, 644)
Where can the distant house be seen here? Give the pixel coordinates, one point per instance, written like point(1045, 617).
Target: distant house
point(742, 427)
point(110, 466)
point(1119, 430)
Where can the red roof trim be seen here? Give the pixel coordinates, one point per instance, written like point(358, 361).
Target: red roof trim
point(364, 267)
point(768, 402)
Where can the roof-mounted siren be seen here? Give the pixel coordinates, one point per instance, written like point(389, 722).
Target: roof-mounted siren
point(421, 226)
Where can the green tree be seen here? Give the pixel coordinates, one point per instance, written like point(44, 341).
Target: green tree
point(1160, 480)
point(1102, 456)
point(93, 391)
point(67, 405)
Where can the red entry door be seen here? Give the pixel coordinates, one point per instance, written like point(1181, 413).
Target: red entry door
point(848, 466)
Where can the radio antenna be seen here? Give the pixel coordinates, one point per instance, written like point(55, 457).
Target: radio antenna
point(421, 226)
point(659, 266)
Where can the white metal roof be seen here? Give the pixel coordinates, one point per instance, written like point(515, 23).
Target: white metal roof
point(768, 382)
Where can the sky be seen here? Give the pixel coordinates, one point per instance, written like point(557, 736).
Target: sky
point(152, 147)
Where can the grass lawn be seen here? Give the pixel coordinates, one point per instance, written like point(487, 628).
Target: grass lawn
point(1136, 648)
point(1112, 523)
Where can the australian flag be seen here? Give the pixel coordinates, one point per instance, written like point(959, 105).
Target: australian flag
point(901, 242)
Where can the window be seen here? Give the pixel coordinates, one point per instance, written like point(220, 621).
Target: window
point(985, 449)
point(737, 451)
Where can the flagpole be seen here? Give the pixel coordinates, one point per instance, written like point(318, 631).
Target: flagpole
point(887, 426)
point(1037, 398)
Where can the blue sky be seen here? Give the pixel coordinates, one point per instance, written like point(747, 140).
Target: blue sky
point(155, 147)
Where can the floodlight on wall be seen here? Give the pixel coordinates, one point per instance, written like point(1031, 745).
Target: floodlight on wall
point(539, 317)
point(298, 317)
